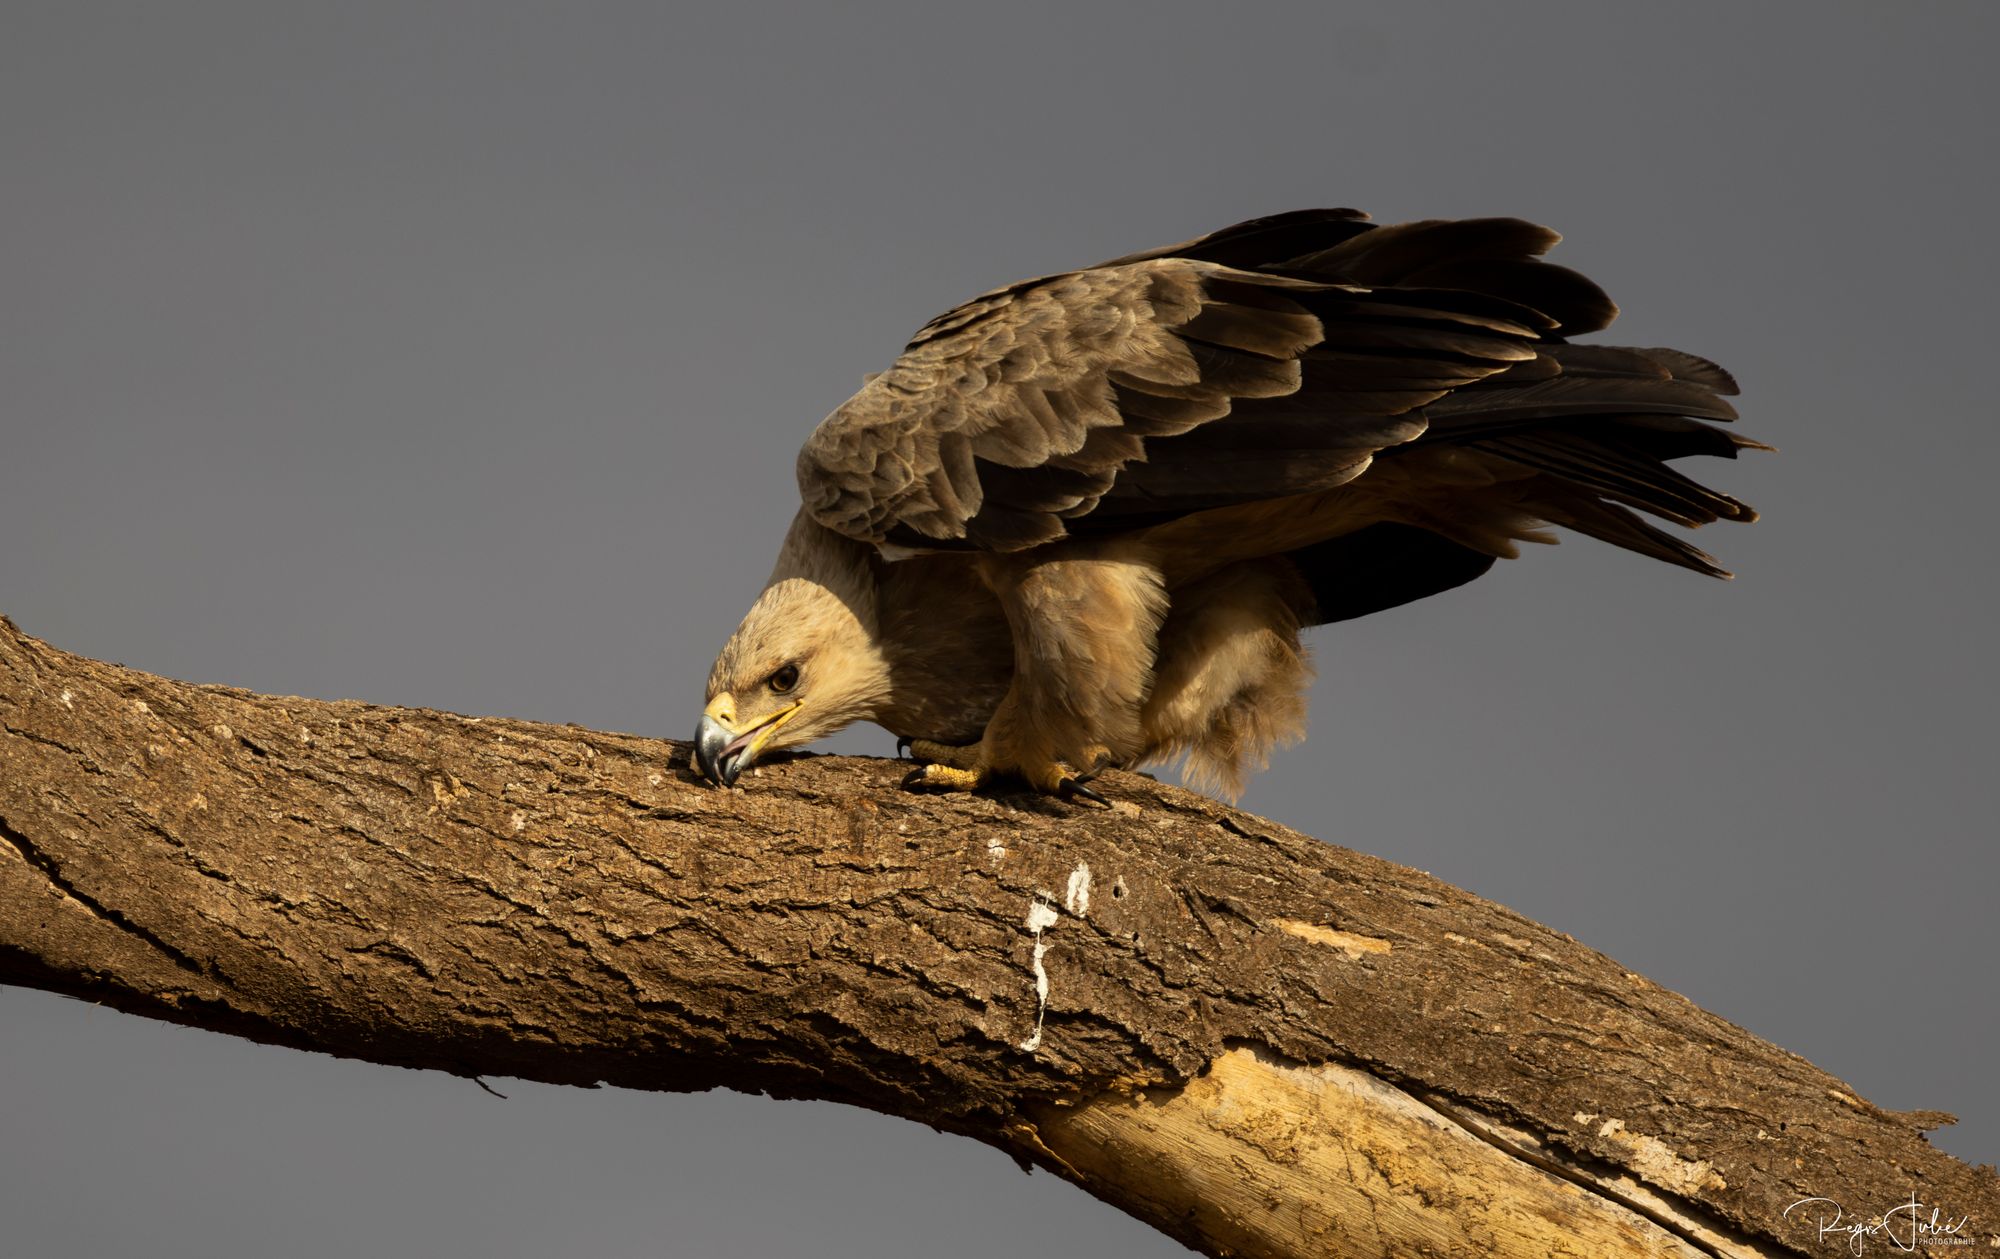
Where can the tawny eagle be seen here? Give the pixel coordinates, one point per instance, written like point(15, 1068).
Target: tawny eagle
point(1082, 520)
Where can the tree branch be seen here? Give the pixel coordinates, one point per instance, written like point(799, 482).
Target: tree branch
point(1259, 1043)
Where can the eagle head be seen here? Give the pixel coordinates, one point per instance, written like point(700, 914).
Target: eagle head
point(803, 664)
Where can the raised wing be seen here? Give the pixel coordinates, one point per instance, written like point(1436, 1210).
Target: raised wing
point(1272, 358)
point(1011, 419)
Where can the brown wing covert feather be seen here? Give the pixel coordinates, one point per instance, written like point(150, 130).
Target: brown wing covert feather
point(1272, 358)
point(1010, 419)
point(1064, 379)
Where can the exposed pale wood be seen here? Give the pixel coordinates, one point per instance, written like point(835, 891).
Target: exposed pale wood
point(1330, 1160)
point(1190, 1010)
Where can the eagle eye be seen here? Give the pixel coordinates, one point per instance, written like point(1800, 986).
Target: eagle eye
point(785, 679)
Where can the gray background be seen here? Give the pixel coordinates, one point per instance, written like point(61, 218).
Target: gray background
point(456, 356)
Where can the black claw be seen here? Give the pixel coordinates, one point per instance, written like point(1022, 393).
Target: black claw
point(902, 752)
point(914, 780)
point(1069, 788)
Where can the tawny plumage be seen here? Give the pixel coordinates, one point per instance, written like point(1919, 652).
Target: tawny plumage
point(1082, 520)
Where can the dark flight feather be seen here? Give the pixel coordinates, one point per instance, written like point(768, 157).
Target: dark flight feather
point(1272, 358)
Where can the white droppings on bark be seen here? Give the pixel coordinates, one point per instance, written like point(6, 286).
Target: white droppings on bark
point(65, 697)
point(520, 820)
point(1076, 897)
point(1041, 916)
point(995, 850)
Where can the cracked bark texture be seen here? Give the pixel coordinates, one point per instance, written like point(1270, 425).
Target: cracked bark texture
point(1257, 1042)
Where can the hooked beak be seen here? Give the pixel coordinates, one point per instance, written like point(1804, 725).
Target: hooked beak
point(722, 753)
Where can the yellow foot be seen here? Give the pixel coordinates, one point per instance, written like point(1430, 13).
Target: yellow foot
point(1053, 778)
point(966, 757)
point(944, 778)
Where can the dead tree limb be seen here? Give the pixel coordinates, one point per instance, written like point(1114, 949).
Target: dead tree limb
point(1259, 1043)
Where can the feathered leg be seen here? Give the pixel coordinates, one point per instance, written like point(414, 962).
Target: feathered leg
point(1084, 626)
point(1230, 685)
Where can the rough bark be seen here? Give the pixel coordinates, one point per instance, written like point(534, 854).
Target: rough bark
point(1259, 1043)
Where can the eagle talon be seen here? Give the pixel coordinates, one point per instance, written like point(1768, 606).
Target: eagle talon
point(903, 751)
point(1070, 788)
point(944, 778)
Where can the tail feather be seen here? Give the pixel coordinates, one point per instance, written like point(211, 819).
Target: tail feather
point(1567, 434)
point(1585, 459)
point(1589, 431)
point(1563, 504)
